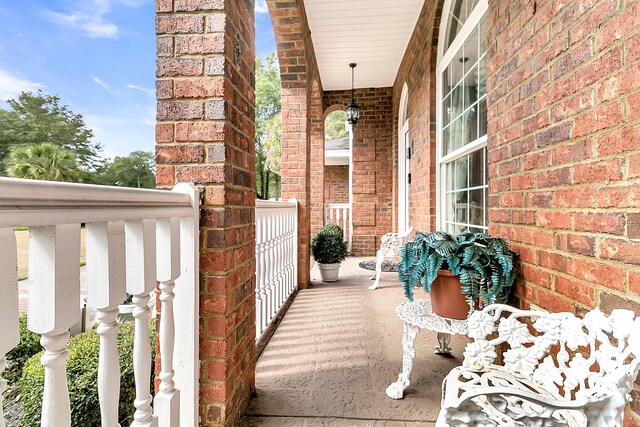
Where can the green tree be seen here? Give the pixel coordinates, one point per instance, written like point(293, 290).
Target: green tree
point(272, 142)
point(272, 149)
point(335, 126)
point(44, 161)
point(134, 170)
point(268, 126)
point(34, 118)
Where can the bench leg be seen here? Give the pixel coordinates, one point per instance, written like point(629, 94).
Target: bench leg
point(379, 260)
point(443, 344)
point(396, 390)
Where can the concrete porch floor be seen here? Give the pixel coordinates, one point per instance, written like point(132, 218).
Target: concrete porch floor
point(337, 349)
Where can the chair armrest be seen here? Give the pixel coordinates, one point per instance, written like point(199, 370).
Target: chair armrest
point(500, 395)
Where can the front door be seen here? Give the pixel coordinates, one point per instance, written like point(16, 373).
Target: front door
point(404, 177)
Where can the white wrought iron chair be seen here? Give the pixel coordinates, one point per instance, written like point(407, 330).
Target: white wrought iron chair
point(558, 370)
point(390, 245)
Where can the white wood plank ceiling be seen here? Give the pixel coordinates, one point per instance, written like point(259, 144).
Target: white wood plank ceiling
point(372, 33)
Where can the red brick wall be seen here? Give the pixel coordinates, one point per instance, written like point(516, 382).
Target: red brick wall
point(205, 135)
point(336, 184)
point(417, 70)
point(372, 168)
point(564, 148)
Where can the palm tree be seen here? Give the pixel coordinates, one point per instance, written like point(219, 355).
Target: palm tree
point(45, 161)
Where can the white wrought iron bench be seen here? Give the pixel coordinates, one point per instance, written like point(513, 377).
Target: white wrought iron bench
point(558, 369)
point(390, 245)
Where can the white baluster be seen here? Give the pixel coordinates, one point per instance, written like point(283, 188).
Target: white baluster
point(282, 255)
point(290, 252)
point(295, 243)
point(278, 255)
point(258, 278)
point(9, 330)
point(261, 291)
point(268, 266)
point(54, 306)
point(167, 401)
point(345, 215)
point(105, 290)
point(272, 265)
point(187, 305)
point(263, 271)
point(141, 281)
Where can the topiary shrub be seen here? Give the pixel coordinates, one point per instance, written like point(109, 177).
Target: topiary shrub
point(16, 358)
point(82, 374)
point(328, 246)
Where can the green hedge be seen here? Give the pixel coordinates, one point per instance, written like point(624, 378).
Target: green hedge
point(16, 358)
point(82, 374)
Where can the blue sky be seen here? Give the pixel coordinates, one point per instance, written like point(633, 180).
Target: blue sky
point(98, 56)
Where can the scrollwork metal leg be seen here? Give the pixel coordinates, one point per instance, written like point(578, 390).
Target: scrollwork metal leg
point(379, 260)
point(443, 344)
point(396, 390)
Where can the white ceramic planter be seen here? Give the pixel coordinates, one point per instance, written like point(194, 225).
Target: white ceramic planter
point(329, 272)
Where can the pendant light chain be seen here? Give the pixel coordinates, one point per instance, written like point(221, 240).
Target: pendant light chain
point(353, 69)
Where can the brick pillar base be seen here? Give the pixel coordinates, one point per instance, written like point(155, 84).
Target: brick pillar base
point(205, 135)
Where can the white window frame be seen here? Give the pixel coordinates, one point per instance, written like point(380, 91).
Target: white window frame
point(403, 163)
point(443, 61)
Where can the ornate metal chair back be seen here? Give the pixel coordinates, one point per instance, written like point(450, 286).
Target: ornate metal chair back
point(595, 358)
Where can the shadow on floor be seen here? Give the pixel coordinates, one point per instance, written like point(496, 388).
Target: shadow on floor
point(337, 349)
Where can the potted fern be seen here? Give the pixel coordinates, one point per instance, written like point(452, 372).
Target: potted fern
point(329, 250)
point(461, 273)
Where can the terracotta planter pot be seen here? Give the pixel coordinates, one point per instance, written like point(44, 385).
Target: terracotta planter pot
point(447, 299)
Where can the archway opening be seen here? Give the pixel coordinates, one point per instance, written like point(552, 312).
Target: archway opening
point(338, 171)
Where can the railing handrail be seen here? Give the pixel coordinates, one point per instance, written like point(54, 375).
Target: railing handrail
point(275, 203)
point(33, 203)
point(337, 205)
point(30, 193)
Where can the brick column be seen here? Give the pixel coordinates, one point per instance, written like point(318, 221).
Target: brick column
point(298, 71)
point(317, 160)
point(296, 170)
point(205, 135)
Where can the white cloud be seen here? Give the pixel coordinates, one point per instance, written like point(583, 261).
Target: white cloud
point(131, 127)
point(90, 17)
point(11, 85)
point(142, 89)
point(261, 6)
point(104, 85)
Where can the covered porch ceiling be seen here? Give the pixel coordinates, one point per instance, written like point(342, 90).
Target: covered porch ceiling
point(372, 33)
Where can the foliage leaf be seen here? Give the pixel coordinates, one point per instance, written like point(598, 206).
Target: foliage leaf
point(485, 264)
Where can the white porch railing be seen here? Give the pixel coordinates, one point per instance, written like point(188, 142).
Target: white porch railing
point(340, 214)
point(276, 258)
point(133, 239)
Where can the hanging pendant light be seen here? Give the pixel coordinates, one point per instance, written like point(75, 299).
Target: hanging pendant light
point(353, 109)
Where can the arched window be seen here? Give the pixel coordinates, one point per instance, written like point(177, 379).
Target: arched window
point(462, 117)
point(403, 161)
